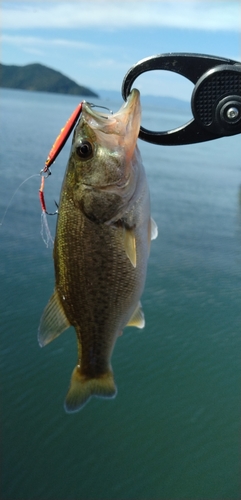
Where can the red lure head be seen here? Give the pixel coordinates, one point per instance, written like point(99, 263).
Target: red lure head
point(62, 137)
point(55, 150)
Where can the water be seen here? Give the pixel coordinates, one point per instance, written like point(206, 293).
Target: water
point(173, 432)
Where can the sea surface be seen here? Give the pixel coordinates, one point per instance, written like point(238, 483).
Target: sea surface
point(173, 431)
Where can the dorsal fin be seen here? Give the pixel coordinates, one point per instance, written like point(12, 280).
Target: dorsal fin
point(53, 321)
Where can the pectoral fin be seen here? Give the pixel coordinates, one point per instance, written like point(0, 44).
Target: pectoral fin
point(137, 318)
point(53, 321)
point(130, 245)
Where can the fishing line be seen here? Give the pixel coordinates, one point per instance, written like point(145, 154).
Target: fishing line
point(45, 231)
point(92, 105)
point(9, 203)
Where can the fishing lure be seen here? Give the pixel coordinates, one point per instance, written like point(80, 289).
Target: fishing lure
point(45, 172)
point(62, 137)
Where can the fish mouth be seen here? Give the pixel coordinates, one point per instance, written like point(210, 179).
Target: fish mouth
point(131, 105)
point(117, 130)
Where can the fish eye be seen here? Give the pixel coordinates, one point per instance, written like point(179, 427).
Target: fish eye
point(84, 150)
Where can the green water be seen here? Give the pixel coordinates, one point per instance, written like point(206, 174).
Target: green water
point(173, 431)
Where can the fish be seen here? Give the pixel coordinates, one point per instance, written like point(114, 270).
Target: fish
point(101, 248)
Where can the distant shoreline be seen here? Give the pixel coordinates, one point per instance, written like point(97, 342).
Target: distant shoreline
point(167, 103)
point(40, 78)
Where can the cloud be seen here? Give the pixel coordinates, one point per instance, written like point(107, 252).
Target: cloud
point(36, 43)
point(112, 14)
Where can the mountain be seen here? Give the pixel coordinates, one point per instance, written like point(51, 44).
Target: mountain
point(40, 78)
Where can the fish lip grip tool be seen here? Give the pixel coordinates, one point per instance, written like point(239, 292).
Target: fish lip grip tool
point(215, 100)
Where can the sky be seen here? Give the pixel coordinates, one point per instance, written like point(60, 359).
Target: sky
point(95, 42)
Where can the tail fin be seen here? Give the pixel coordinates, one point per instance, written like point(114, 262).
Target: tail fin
point(81, 389)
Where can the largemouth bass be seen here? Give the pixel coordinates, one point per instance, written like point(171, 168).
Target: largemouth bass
point(101, 247)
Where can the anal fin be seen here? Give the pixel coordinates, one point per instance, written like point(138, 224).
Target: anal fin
point(53, 321)
point(137, 318)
